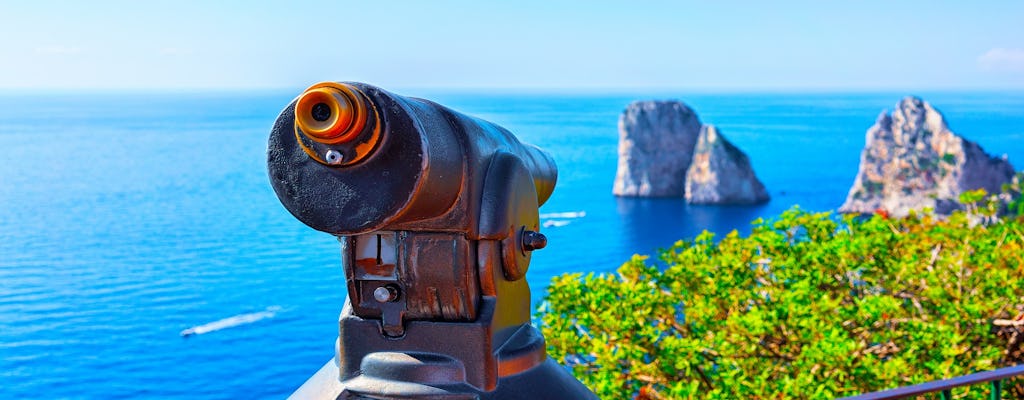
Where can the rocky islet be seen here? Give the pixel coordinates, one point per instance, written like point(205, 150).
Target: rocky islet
point(665, 151)
point(912, 160)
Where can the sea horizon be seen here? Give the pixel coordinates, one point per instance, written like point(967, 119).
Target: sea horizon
point(519, 89)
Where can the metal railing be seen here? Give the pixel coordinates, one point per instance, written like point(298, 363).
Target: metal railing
point(945, 387)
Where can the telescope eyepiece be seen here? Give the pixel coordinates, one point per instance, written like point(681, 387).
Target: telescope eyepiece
point(328, 115)
point(336, 124)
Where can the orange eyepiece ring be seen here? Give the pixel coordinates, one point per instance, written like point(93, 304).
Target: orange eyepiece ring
point(331, 114)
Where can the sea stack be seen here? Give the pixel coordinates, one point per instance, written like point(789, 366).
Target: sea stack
point(721, 174)
point(912, 160)
point(656, 141)
point(665, 151)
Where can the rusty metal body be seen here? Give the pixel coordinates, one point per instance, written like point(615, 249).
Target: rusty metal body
point(437, 215)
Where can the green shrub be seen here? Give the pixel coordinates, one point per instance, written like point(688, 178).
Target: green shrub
point(1012, 195)
point(808, 306)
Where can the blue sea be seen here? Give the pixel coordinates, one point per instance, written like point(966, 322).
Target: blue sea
point(126, 218)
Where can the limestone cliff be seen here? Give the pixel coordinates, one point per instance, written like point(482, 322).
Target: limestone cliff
point(656, 141)
point(720, 173)
point(912, 160)
point(665, 151)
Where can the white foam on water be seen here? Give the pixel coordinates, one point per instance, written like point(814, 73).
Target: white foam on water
point(569, 214)
point(555, 223)
point(231, 322)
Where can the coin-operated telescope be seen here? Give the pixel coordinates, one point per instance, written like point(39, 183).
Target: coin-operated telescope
point(437, 217)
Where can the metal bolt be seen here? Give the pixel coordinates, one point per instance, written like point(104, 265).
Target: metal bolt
point(534, 240)
point(334, 157)
point(385, 294)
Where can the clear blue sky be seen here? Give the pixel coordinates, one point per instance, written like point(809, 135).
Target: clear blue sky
point(514, 44)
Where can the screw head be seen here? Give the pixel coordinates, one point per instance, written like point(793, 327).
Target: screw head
point(334, 157)
point(385, 294)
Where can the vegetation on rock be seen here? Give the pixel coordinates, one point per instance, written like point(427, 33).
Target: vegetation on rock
point(809, 305)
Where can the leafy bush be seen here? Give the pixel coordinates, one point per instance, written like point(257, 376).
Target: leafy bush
point(1012, 195)
point(810, 305)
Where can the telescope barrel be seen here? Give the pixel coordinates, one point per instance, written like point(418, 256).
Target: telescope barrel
point(351, 158)
point(437, 216)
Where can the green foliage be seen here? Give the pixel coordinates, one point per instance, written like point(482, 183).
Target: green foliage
point(986, 208)
point(808, 306)
point(1012, 195)
point(972, 196)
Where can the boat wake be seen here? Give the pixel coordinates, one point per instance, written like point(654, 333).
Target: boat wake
point(560, 219)
point(555, 223)
point(231, 322)
point(564, 215)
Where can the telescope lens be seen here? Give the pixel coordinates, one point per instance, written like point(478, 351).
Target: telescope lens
point(321, 112)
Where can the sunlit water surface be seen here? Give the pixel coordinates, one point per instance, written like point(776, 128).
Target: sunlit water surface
point(128, 218)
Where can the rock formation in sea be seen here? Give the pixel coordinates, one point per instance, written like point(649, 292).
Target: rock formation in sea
point(720, 173)
point(912, 160)
point(656, 141)
point(665, 151)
